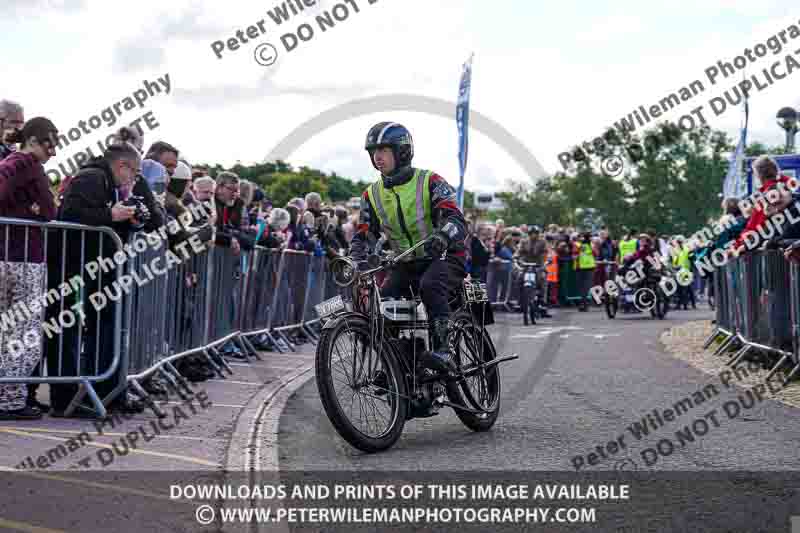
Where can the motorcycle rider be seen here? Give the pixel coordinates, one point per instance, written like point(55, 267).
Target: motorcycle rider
point(534, 250)
point(645, 253)
point(409, 204)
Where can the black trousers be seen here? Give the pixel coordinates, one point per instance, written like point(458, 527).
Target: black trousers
point(584, 282)
point(686, 295)
point(433, 279)
point(80, 350)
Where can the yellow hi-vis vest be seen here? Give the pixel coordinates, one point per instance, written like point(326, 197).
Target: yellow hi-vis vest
point(586, 258)
point(404, 211)
point(626, 248)
point(682, 259)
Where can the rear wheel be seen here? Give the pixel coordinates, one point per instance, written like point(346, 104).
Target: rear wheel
point(471, 346)
point(361, 386)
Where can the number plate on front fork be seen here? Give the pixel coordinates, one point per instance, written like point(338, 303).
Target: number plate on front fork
point(329, 307)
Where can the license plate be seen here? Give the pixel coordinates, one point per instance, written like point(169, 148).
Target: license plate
point(328, 307)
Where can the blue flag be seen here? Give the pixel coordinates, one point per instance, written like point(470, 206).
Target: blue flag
point(736, 184)
point(462, 121)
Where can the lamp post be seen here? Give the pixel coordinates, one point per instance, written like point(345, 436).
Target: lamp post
point(787, 119)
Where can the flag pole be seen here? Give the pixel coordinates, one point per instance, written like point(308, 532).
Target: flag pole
point(462, 123)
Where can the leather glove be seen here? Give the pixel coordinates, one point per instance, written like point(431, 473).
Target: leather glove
point(437, 244)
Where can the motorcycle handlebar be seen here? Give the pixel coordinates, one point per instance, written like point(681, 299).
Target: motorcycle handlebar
point(388, 262)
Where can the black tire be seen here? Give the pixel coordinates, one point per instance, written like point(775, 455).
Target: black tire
point(532, 306)
point(611, 305)
point(463, 328)
point(396, 384)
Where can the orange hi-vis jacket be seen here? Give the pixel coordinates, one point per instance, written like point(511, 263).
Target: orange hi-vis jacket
point(552, 267)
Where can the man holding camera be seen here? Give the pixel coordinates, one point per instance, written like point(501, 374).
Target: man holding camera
point(94, 198)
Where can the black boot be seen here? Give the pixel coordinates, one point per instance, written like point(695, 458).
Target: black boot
point(439, 358)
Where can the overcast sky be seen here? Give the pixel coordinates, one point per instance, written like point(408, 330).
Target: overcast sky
point(553, 74)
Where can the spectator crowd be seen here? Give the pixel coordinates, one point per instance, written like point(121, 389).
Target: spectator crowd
point(128, 190)
point(590, 256)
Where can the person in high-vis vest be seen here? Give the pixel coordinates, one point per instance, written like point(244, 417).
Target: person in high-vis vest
point(683, 264)
point(552, 273)
point(627, 246)
point(585, 271)
point(408, 205)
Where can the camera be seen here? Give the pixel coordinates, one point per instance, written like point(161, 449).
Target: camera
point(142, 213)
point(247, 239)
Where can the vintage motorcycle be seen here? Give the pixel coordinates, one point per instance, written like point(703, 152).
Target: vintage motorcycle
point(368, 369)
point(647, 294)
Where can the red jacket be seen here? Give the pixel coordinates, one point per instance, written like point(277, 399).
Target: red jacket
point(22, 184)
point(642, 253)
point(758, 216)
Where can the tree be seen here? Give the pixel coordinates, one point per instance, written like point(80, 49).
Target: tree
point(287, 185)
point(757, 148)
point(671, 184)
point(342, 189)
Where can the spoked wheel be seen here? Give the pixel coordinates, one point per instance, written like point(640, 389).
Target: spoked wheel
point(361, 386)
point(471, 346)
point(611, 305)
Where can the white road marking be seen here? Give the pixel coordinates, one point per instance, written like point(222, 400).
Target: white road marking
point(236, 382)
point(267, 366)
point(213, 404)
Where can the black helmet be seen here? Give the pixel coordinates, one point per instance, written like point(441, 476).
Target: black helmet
point(533, 228)
point(395, 136)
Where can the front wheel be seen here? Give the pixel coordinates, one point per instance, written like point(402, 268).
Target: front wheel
point(472, 346)
point(531, 304)
point(361, 386)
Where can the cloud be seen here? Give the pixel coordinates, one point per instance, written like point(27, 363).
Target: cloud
point(133, 56)
point(221, 96)
point(18, 9)
point(146, 49)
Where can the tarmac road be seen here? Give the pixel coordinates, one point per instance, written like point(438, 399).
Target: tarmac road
point(580, 382)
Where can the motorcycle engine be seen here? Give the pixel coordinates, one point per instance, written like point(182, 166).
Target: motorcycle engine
point(426, 395)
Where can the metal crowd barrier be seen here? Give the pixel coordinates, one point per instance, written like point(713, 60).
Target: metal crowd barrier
point(754, 311)
point(161, 306)
point(315, 293)
point(794, 313)
point(500, 281)
point(51, 309)
point(567, 281)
